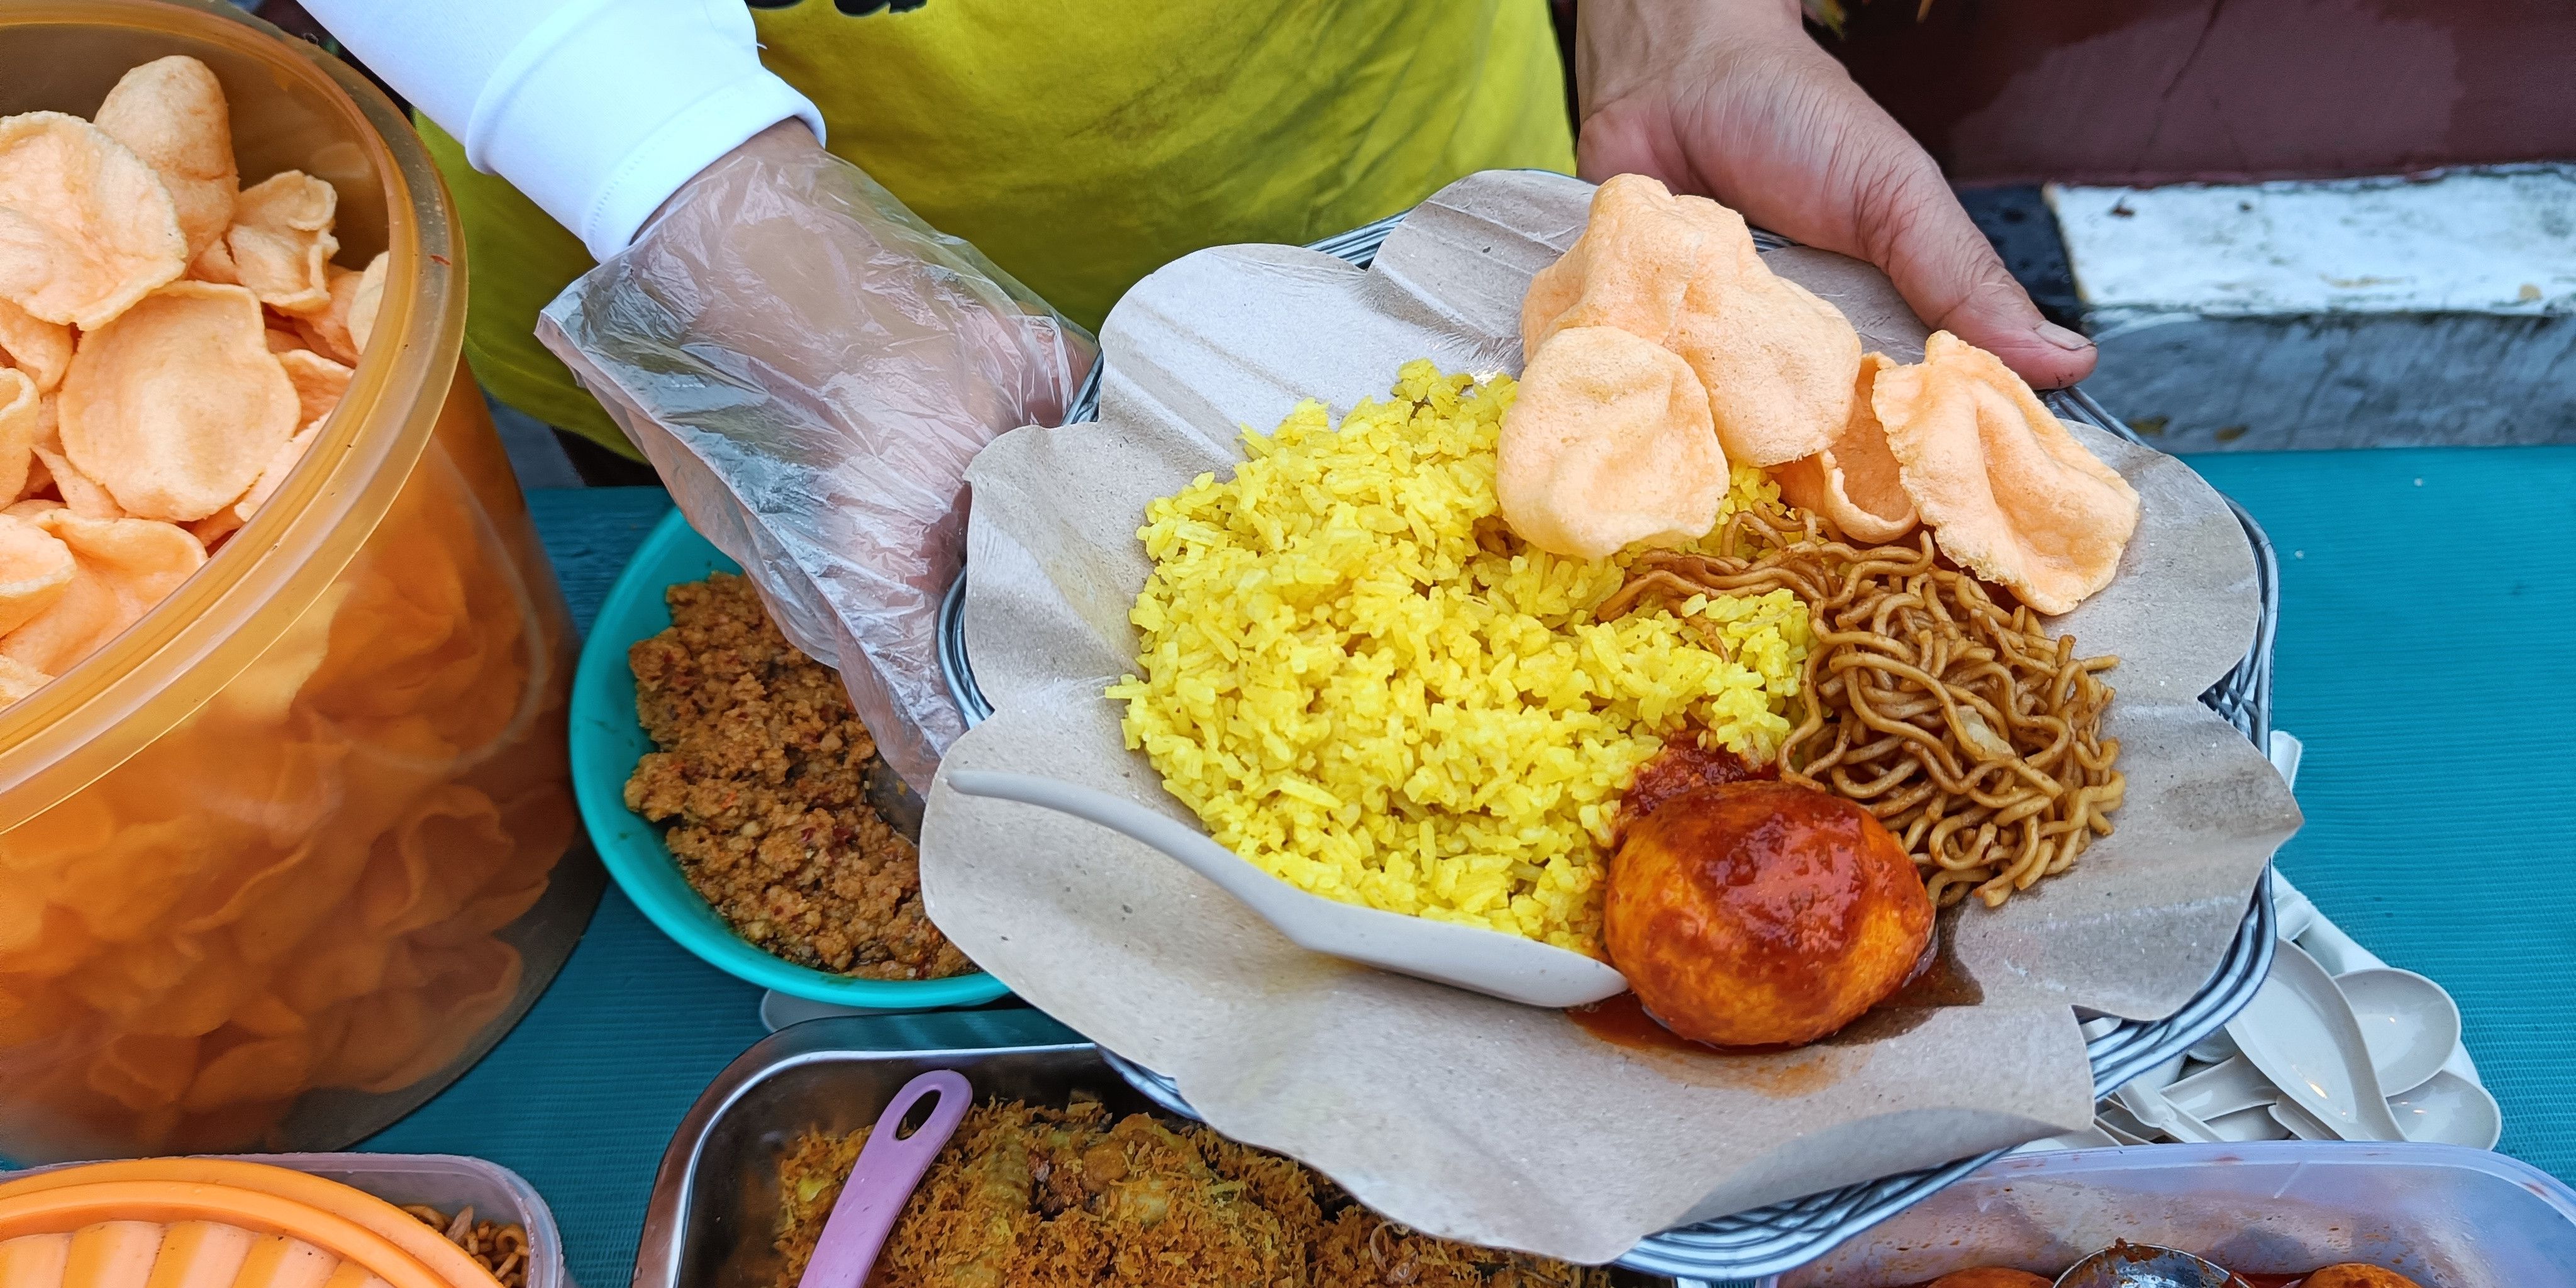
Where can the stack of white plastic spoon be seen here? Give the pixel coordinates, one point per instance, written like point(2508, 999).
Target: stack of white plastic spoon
point(2338, 1045)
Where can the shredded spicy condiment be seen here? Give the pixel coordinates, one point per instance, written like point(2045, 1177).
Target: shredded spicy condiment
point(761, 774)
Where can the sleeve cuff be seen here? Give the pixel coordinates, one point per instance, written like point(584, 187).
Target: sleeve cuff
point(686, 144)
point(605, 108)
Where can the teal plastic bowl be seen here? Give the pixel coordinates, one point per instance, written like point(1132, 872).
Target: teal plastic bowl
point(607, 740)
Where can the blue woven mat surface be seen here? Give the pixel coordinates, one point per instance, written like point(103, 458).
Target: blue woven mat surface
point(2428, 633)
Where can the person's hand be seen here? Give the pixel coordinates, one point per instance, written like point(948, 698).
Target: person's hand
point(1730, 99)
point(810, 368)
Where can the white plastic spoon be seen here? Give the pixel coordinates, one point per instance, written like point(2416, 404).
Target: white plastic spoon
point(2256, 1123)
point(2293, 915)
point(2118, 1132)
point(2217, 1048)
point(2093, 1137)
point(2161, 1076)
point(2301, 1033)
point(2150, 1107)
point(2450, 1110)
point(1480, 961)
point(2300, 1123)
point(2409, 1023)
point(2228, 1087)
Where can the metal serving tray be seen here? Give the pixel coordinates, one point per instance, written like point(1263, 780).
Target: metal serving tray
point(1768, 1240)
point(710, 1221)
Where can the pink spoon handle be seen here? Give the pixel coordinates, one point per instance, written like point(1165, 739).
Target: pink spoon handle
point(889, 1167)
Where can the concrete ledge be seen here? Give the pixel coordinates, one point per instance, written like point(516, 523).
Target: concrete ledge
point(2351, 313)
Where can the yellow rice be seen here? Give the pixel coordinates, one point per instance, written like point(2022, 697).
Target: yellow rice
point(1362, 682)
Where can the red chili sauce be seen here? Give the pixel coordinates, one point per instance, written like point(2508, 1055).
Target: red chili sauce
point(1679, 767)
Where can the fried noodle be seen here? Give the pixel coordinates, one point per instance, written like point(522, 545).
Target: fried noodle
point(1966, 728)
point(499, 1247)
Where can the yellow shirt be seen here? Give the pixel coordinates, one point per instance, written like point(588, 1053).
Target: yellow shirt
point(1084, 143)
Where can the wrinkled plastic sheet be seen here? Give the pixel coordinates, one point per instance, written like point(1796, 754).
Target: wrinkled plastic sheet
point(810, 367)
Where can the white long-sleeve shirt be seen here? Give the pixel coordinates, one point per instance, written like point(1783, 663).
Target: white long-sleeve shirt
point(598, 110)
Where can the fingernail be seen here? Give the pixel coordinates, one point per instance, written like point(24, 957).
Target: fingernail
point(2071, 341)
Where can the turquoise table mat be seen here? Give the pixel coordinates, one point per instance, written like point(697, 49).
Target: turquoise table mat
point(2427, 658)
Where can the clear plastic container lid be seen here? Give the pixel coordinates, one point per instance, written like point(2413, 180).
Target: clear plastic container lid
point(2444, 1216)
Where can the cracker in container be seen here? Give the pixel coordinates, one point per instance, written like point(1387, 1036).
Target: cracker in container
point(72, 487)
point(176, 406)
point(39, 348)
point(35, 569)
point(281, 242)
point(86, 228)
point(171, 113)
point(122, 567)
point(22, 425)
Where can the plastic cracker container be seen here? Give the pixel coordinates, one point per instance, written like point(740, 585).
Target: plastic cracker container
point(284, 857)
point(446, 1182)
point(2444, 1216)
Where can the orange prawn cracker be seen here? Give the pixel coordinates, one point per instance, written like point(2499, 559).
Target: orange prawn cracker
point(2007, 491)
point(35, 569)
point(177, 400)
point(121, 568)
point(39, 348)
point(1778, 364)
point(86, 228)
point(1629, 269)
point(300, 884)
point(327, 332)
point(22, 426)
point(1853, 481)
point(318, 382)
point(1608, 443)
point(177, 406)
point(1682, 272)
point(81, 494)
point(365, 302)
point(17, 680)
point(212, 530)
point(171, 113)
point(214, 264)
point(281, 241)
point(289, 455)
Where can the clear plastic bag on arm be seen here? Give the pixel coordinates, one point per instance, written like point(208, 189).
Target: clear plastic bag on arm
point(810, 367)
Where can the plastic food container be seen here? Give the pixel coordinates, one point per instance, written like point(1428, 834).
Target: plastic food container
point(443, 1181)
point(284, 857)
point(2439, 1214)
point(715, 1201)
point(607, 740)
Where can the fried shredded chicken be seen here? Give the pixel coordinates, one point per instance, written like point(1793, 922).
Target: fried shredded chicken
point(1030, 1197)
point(761, 773)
